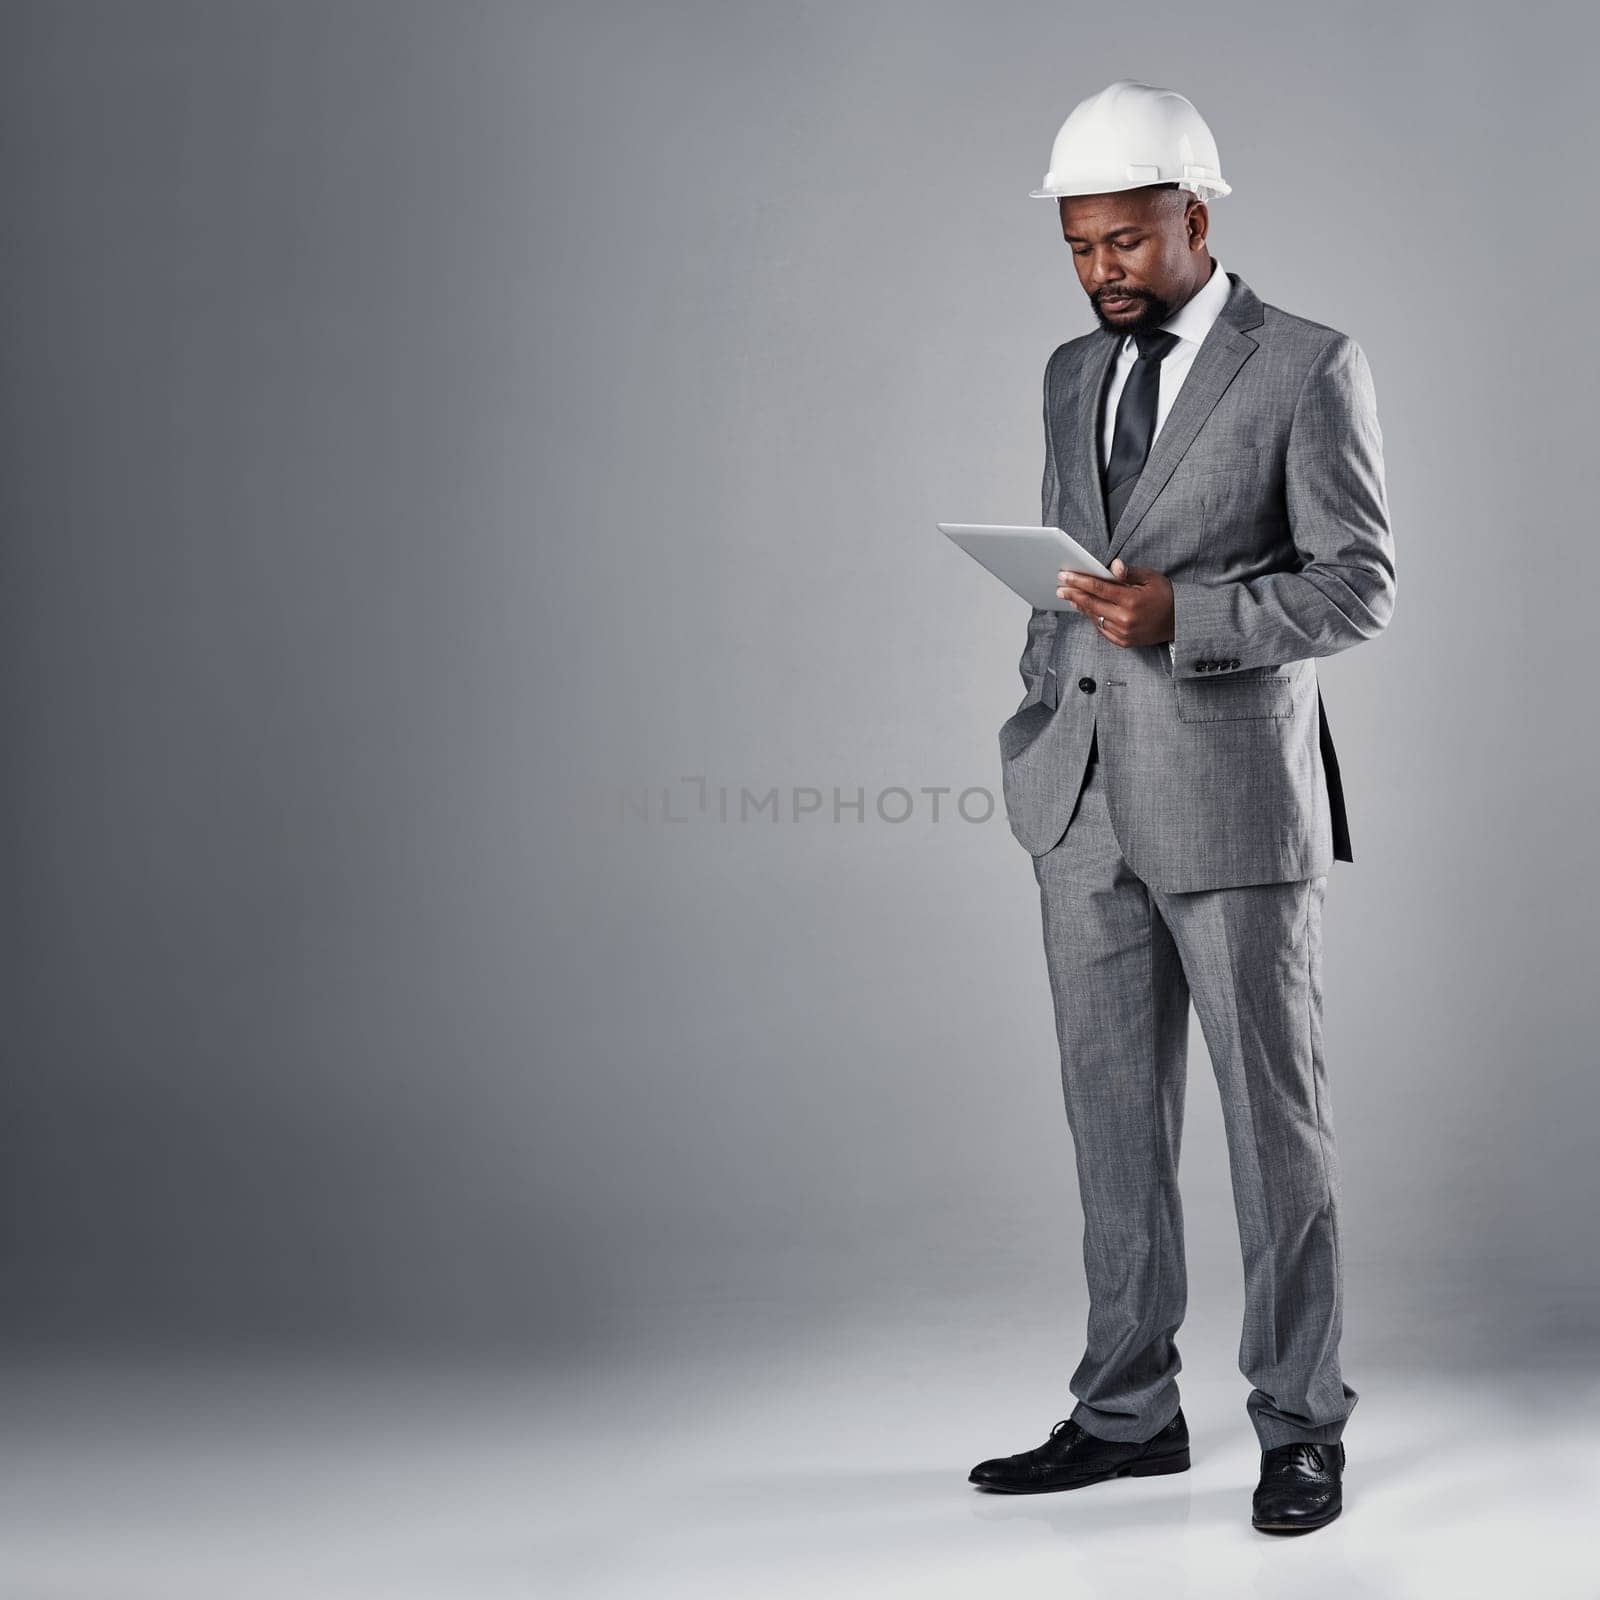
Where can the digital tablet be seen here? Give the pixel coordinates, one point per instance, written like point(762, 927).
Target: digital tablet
point(1026, 560)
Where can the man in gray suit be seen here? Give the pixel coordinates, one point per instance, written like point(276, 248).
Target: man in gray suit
point(1171, 773)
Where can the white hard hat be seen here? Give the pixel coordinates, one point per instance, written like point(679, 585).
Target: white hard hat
point(1129, 135)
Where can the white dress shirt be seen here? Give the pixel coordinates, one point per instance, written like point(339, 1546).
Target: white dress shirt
point(1191, 322)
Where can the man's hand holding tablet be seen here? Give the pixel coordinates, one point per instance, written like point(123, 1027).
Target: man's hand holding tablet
point(1053, 572)
point(1133, 607)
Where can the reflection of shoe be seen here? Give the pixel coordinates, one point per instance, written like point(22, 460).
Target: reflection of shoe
point(1071, 1458)
point(1300, 1487)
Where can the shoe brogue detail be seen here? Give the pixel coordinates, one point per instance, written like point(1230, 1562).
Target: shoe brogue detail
point(1301, 1487)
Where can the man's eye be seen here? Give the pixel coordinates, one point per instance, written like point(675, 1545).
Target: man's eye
point(1127, 244)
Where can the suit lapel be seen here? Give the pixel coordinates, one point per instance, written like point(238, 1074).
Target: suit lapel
point(1222, 352)
point(1225, 348)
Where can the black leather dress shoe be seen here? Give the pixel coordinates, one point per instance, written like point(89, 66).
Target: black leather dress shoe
point(1071, 1458)
point(1300, 1487)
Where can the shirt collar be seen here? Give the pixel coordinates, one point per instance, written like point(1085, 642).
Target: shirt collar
point(1192, 320)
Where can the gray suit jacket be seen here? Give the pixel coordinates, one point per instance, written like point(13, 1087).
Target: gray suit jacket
point(1263, 500)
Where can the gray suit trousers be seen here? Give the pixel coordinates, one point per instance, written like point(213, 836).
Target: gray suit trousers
point(1124, 960)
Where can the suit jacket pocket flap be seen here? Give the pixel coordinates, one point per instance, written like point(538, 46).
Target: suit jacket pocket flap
point(1226, 699)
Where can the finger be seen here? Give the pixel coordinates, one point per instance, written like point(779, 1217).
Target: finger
point(1110, 624)
point(1117, 616)
point(1086, 584)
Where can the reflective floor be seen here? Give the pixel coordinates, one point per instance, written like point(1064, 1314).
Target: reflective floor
point(707, 1462)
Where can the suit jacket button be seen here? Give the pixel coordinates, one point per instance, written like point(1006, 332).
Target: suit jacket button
point(1086, 684)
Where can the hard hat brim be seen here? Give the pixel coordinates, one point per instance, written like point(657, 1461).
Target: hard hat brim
point(1216, 187)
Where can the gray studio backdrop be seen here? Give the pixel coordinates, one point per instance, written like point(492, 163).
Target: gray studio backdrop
point(477, 671)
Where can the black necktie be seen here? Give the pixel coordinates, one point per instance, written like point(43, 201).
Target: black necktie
point(1136, 422)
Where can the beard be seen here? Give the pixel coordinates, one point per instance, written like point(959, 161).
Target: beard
point(1152, 312)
